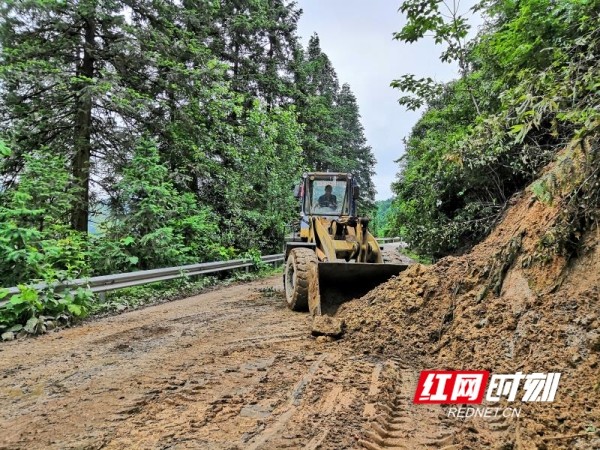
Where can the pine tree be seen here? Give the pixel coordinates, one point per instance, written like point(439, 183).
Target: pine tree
point(355, 154)
point(61, 85)
point(257, 40)
point(317, 99)
point(333, 135)
point(192, 107)
point(322, 79)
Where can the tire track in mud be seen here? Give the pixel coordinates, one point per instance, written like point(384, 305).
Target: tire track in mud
point(198, 372)
point(397, 423)
point(233, 369)
point(328, 416)
point(294, 401)
point(347, 396)
point(216, 401)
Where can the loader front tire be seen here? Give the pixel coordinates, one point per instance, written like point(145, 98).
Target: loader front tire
point(300, 266)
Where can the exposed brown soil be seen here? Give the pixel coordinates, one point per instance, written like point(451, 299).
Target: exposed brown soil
point(229, 369)
point(504, 309)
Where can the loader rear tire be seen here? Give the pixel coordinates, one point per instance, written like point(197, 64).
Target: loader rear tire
point(300, 266)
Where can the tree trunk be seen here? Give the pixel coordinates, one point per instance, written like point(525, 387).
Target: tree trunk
point(83, 130)
point(271, 73)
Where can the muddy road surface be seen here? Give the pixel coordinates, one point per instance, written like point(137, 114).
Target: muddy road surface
point(229, 369)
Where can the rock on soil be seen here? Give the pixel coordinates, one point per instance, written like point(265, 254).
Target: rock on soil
point(8, 336)
point(327, 326)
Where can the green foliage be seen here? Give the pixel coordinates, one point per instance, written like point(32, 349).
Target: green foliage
point(380, 224)
point(448, 26)
point(155, 226)
point(424, 91)
point(542, 192)
point(252, 193)
point(112, 255)
point(421, 259)
point(171, 131)
point(256, 258)
point(527, 88)
point(36, 244)
point(4, 150)
point(42, 309)
point(35, 241)
point(233, 105)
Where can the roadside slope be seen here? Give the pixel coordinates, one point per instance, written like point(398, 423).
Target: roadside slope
point(511, 304)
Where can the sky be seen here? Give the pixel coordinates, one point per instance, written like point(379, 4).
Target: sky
point(357, 37)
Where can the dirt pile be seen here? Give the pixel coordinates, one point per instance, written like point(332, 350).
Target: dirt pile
point(509, 305)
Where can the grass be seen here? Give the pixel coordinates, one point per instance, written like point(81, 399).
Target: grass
point(155, 293)
point(425, 260)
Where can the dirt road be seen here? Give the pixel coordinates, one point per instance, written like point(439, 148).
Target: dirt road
point(230, 369)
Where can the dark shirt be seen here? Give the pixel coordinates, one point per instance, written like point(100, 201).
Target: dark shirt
point(328, 200)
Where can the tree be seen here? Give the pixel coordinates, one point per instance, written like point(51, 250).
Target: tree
point(201, 94)
point(59, 76)
point(250, 188)
point(257, 39)
point(158, 226)
point(333, 135)
point(318, 86)
point(36, 241)
point(447, 26)
point(521, 97)
point(355, 155)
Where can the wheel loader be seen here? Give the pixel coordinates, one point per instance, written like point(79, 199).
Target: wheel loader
point(332, 257)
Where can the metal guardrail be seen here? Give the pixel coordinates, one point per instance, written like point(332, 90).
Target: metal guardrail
point(107, 283)
point(388, 240)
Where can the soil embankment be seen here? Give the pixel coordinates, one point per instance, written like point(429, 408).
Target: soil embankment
point(510, 305)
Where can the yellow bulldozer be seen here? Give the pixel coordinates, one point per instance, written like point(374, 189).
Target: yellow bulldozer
point(332, 257)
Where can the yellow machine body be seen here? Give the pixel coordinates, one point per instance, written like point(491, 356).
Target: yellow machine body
point(333, 257)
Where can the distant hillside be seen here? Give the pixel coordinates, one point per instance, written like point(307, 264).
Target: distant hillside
point(379, 224)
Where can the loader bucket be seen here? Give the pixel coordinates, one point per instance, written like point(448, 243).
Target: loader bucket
point(339, 282)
